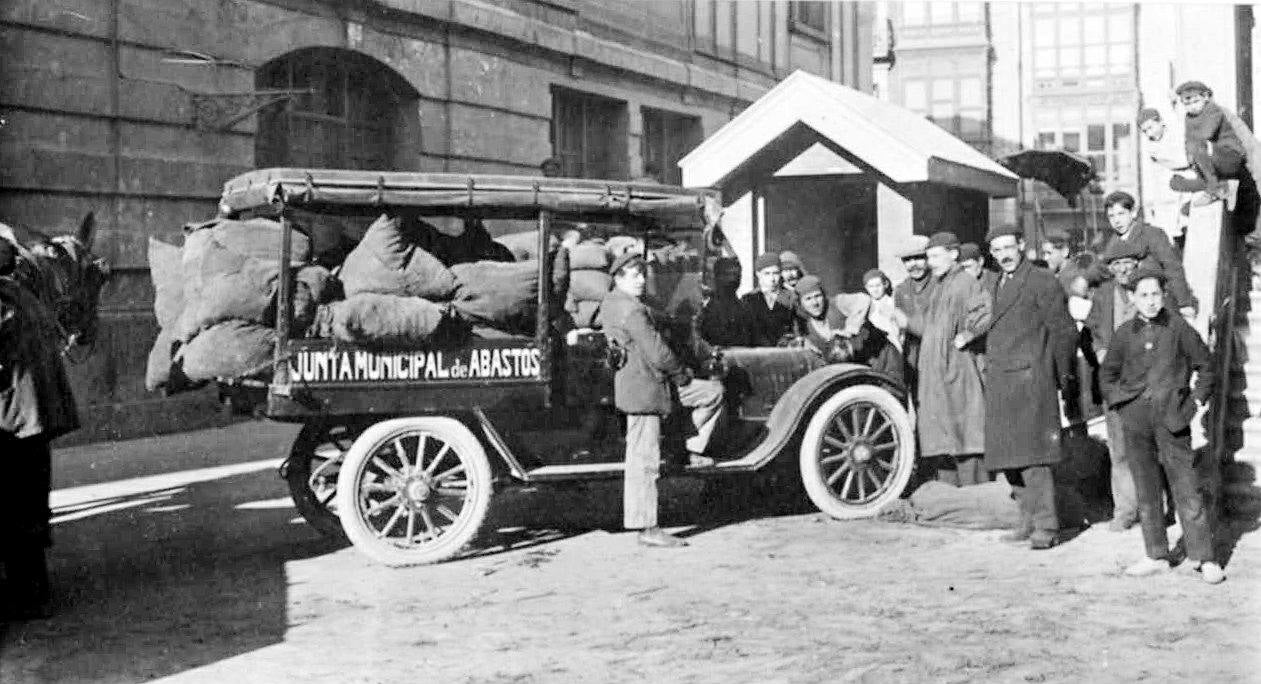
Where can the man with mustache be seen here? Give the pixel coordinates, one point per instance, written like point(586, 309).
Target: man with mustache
point(1031, 348)
point(908, 296)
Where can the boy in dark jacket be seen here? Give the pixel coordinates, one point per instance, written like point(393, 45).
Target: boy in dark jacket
point(642, 389)
point(1145, 376)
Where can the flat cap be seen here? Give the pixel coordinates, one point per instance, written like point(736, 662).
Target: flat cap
point(789, 259)
point(913, 246)
point(969, 250)
point(1123, 249)
point(625, 259)
point(1148, 114)
point(808, 284)
point(1193, 87)
point(1146, 272)
point(945, 239)
point(766, 260)
point(999, 231)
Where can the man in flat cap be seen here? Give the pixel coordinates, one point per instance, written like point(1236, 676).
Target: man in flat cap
point(910, 295)
point(770, 307)
point(644, 388)
point(1030, 353)
point(1146, 376)
point(1129, 227)
point(1111, 307)
point(951, 405)
point(971, 259)
point(791, 269)
point(1218, 144)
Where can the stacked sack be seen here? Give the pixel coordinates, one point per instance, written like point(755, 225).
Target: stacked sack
point(215, 300)
point(589, 281)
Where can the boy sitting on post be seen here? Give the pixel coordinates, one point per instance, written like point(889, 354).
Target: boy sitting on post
point(1146, 376)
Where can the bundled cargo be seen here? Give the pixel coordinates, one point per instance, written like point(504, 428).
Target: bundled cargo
point(386, 321)
point(231, 349)
point(390, 260)
point(499, 295)
point(589, 281)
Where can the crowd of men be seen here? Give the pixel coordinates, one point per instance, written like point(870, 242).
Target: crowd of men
point(1001, 349)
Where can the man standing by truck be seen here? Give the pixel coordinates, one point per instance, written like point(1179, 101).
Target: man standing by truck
point(643, 388)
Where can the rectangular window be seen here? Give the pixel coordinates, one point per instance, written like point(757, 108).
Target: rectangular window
point(943, 90)
point(1072, 141)
point(1096, 58)
point(1120, 135)
point(666, 139)
point(914, 14)
point(1120, 25)
point(812, 15)
point(1046, 140)
point(1070, 31)
point(589, 134)
point(1044, 32)
point(915, 96)
point(1070, 61)
point(1095, 137)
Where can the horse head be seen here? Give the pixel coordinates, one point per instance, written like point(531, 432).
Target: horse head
point(65, 274)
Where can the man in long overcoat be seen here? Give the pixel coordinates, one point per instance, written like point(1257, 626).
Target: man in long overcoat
point(1030, 347)
point(910, 295)
point(36, 406)
point(951, 414)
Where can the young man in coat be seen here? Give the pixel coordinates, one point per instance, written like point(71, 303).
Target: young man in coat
point(950, 419)
point(1030, 354)
point(910, 295)
point(770, 307)
point(644, 389)
point(36, 406)
point(1110, 308)
point(1146, 376)
point(1128, 227)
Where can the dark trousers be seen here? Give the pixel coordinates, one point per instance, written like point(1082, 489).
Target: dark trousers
point(1034, 488)
point(24, 519)
point(1152, 449)
point(961, 471)
point(1223, 163)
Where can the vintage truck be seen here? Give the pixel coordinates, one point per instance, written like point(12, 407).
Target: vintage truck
point(404, 450)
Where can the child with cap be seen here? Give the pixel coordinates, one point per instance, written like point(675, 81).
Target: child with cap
point(1146, 377)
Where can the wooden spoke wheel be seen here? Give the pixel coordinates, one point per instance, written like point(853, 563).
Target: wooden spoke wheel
point(314, 462)
point(414, 490)
point(857, 453)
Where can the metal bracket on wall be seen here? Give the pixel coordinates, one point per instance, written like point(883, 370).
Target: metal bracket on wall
point(222, 111)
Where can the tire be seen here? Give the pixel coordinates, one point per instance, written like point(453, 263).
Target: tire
point(401, 483)
point(314, 462)
point(860, 437)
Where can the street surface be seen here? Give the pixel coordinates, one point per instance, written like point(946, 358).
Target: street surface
point(180, 558)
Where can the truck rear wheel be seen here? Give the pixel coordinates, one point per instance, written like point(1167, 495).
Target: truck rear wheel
point(857, 453)
point(311, 471)
point(414, 490)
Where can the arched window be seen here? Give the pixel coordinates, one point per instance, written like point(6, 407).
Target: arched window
point(354, 118)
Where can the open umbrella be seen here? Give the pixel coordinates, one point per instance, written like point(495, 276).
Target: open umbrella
point(1065, 172)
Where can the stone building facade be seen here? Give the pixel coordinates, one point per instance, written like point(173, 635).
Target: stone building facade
point(139, 110)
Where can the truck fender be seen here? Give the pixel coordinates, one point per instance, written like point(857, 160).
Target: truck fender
point(795, 407)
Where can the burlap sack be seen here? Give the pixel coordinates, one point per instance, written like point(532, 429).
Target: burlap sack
point(384, 321)
point(166, 270)
point(499, 295)
point(589, 256)
point(589, 286)
point(231, 349)
point(389, 260)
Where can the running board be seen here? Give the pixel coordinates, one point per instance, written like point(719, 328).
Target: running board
point(600, 471)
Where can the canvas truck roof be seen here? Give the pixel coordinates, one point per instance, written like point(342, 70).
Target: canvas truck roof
point(341, 191)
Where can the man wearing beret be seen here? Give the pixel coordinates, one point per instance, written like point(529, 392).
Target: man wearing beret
point(950, 417)
point(910, 295)
point(1146, 377)
point(1128, 226)
point(644, 389)
point(770, 307)
point(1110, 308)
point(1031, 352)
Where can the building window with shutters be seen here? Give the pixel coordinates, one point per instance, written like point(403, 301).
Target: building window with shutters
point(666, 138)
point(353, 118)
point(589, 134)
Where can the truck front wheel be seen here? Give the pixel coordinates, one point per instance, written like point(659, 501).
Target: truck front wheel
point(857, 453)
point(414, 490)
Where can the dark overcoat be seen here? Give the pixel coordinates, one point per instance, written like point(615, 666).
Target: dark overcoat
point(1031, 346)
point(769, 324)
point(643, 384)
point(35, 395)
